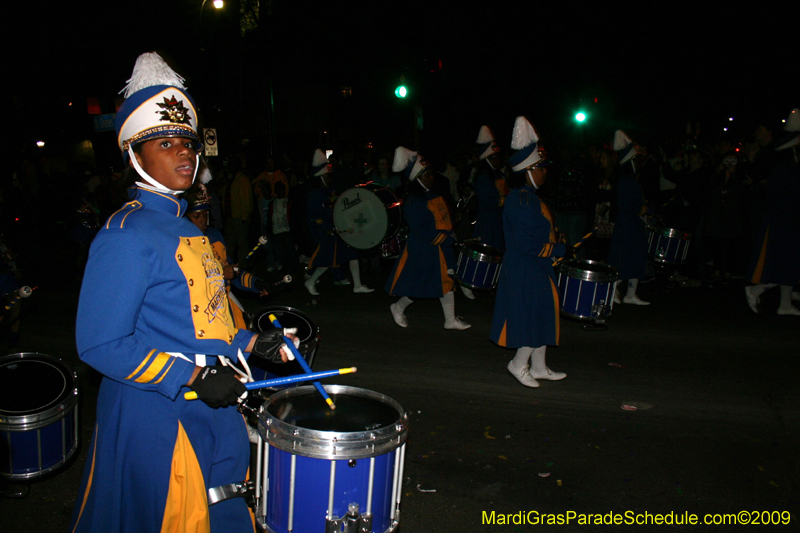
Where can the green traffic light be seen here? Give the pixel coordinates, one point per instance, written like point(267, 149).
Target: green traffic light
point(401, 91)
point(580, 117)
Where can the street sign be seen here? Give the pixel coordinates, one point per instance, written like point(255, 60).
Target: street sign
point(103, 122)
point(210, 141)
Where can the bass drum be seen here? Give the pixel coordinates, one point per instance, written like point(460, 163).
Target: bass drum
point(38, 415)
point(367, 215)
point(307, 332)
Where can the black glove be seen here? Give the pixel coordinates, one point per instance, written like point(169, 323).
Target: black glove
point(218, 386)
point(569, 252)
point(268, 345)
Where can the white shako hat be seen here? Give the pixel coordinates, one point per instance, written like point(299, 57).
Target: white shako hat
point(486, 143)
point(524, 140)
point(792, 129)
point(156, 105)
point(624, 146)
point(319, 163)
point(410, 163)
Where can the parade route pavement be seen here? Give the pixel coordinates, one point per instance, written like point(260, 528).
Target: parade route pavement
point(715, 429)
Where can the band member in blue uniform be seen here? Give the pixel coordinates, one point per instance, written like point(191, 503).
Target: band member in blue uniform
point(628, 252)
point(526, 311)
point(426, 266)
point(331, 250)
point(776, 257)
point(153, 319)
point(491, 190)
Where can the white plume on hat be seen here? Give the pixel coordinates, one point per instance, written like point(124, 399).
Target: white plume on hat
point(624, 146)
point(205, 175)
point(402, 157)
point(793, 122)
point(485, 135)
point(320, 160)
point(524, 134)
point(151, 70)
point(621, 140)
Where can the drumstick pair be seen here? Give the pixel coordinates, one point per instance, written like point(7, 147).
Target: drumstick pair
point(299, 358)
point(275, 382)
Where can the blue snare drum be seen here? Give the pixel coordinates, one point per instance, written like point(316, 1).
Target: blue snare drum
point(324, 470)
point(586, 289)
point(478, 265)
point(38, 415)
point(307, 332)
point(668, 246)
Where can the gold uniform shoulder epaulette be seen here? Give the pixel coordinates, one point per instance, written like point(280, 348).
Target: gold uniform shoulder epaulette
point(117, 220)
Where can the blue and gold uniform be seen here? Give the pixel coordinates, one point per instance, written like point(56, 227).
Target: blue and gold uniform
point(526, 311)
point(154, 455)
point(776, 256)
point(421, 270)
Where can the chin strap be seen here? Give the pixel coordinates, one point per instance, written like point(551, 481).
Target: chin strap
point(152, 184)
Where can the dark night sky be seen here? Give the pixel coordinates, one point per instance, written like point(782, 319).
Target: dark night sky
point(651, 66)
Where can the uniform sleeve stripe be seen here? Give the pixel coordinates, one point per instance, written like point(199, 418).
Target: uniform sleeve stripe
point(141, 365)
point(155, 367)
point(165, 371)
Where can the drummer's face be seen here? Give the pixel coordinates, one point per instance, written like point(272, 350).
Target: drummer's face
point(537, 175)
point(427, 177)
point(170, 161)
point(199, 219)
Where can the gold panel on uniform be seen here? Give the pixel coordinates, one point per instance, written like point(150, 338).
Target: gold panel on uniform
point(203, 272)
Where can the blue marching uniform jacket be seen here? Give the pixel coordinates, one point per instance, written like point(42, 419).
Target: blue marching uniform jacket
point(628, 251)
point(776, 257)
point(421, 270)
point(152, 294)
point(331, 250)
point(489, 225)
point(526, 309)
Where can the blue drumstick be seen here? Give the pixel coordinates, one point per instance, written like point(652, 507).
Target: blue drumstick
point(302, 362)
point(286, 380)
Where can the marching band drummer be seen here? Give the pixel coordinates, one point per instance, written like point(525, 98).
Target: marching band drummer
point(491, 190)
point(331, 250)
point(776, 254)
point(152, 298)
point(425, 268)
point(628, 251)
point(526, 311)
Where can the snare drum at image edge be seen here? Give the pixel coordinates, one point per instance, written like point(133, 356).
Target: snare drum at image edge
point(38, 415)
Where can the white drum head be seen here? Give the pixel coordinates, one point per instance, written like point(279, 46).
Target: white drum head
point(360, 218)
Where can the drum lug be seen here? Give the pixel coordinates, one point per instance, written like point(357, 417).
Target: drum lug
point(352, 522)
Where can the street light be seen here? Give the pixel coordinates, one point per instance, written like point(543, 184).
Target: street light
point(580, 116)
point(217, 4)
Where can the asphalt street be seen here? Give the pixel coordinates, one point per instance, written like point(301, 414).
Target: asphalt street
point(716, 429)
